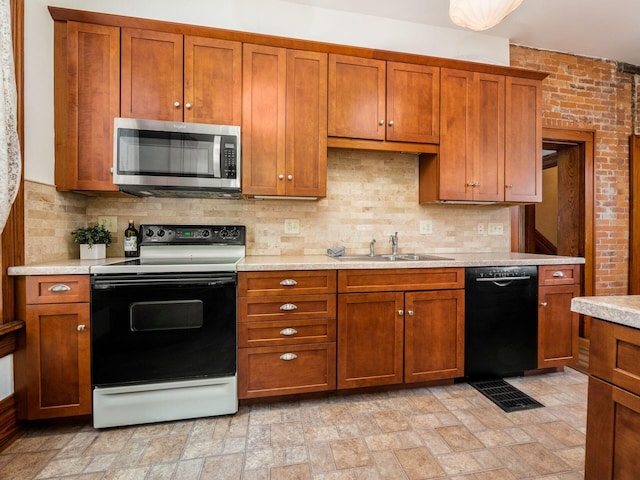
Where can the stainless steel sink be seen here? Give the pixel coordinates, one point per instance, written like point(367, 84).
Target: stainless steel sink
point(401, 257)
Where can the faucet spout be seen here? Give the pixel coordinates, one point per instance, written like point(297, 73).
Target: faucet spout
point(394, 243)
point(372, 248)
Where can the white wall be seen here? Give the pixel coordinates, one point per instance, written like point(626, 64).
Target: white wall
point(274, 17)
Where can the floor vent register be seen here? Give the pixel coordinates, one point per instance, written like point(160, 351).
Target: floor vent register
point(505, 395)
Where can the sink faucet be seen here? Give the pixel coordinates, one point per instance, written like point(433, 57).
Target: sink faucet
point(372, 248)
point(394, 243)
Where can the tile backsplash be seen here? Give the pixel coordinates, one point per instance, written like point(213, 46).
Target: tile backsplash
point(369, 195)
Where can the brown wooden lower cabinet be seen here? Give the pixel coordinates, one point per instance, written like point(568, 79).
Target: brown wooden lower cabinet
point(410, 334)
point(52, 363)
point(286, 333)
point(285, 370)
point(613, 408)
point(558, 326)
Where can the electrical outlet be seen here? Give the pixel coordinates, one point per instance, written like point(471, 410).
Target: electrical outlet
point(292, 226)
point(426, 227)
point(496, 229)
point(480, 229)
point(110, 222)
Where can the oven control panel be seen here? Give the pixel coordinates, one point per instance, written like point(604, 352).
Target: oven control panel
point(192, 234)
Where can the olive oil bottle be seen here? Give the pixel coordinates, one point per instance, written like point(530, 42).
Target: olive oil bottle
point(131, 247)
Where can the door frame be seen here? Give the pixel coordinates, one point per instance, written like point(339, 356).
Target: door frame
point(518, 231)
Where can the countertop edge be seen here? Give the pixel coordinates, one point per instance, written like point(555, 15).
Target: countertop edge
point(620, 309)
point(253, 263)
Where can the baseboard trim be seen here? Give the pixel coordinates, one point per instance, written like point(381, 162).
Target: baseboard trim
point(9, 426)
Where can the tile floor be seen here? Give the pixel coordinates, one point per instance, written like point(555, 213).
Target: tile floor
point(426, 433)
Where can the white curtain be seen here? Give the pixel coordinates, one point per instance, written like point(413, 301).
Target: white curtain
point(9, 145)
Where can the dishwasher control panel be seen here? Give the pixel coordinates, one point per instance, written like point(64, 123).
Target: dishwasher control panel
point(495, 273)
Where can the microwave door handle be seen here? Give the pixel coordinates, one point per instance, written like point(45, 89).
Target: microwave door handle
point(216, 156)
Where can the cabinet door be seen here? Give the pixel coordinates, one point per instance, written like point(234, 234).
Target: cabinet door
point(87, 99)
point(557, 326)
point(434, 335)
point(613, 423)
point(471, 136)
point(370, 339)
point(523, 147)
point(264, 89)
point(306, 124)
point(456, 126)
point(413, 103)
point(152, 68)
point(357, 97)
point(212, 81)
point(487, 138)
point(58, 360)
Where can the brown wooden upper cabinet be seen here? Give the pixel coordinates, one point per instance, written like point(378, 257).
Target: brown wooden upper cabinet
point(174, 77)
point(377, 100)
point(284, 122)
point(87, 98)
point(490, 140)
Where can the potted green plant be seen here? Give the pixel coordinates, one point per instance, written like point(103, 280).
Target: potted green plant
point(93, 241)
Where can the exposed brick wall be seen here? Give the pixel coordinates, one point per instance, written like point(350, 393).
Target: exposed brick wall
point(590, 94)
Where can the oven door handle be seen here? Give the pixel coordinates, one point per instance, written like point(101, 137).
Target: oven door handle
point(146, 282)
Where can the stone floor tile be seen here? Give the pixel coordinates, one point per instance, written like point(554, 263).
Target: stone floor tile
point(163, 449)
point(321, 458)
point(350, 453)
point(188, 469)
point(291, 472)
point(287, 434)
point(228, 467)
point(459, 438)
point(418, 463)
point(25, 465)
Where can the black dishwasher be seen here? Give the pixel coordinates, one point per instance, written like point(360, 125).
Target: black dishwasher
point(501, 321)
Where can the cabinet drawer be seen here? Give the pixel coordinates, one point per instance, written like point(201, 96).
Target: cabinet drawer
point(355, 281)
point(252, 309)
point(262, 334)
point(613, 354)
point(307, 282)
point(57, 289)
point(269, 371)
point(558, 275)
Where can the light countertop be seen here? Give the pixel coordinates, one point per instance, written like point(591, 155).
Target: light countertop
point(620, 309)
point(319, 262)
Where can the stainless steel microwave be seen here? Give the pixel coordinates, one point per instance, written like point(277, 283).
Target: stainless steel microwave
point(175, 159)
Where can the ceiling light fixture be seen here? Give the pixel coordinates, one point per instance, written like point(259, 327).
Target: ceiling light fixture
point(480, 14)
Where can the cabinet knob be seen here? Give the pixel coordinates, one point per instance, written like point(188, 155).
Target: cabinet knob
point(558, 274)
point(410, 312)
point(391, 123)
point(287, 357)
point(288, 332)
point(187, 106)
point(280, 177)
point(81, 328)
point(176, 104)
point(400, 312)
point(289, 177)
point(381, 122)
point(543, 304)
point(288, 282)
point(59, 287)
point(288, 307)
point(509, 185)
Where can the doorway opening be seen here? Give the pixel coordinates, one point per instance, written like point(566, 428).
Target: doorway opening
point(563, 224)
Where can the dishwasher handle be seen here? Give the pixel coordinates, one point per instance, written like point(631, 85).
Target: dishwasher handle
point(502, 279)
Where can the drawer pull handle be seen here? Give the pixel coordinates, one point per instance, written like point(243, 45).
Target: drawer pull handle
point(287, 307)
point(81, 328)
point(288, 332)
point(59, 287)
point(558, 274)
point(544, 304)
point(288, 282)
point(287, 357)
